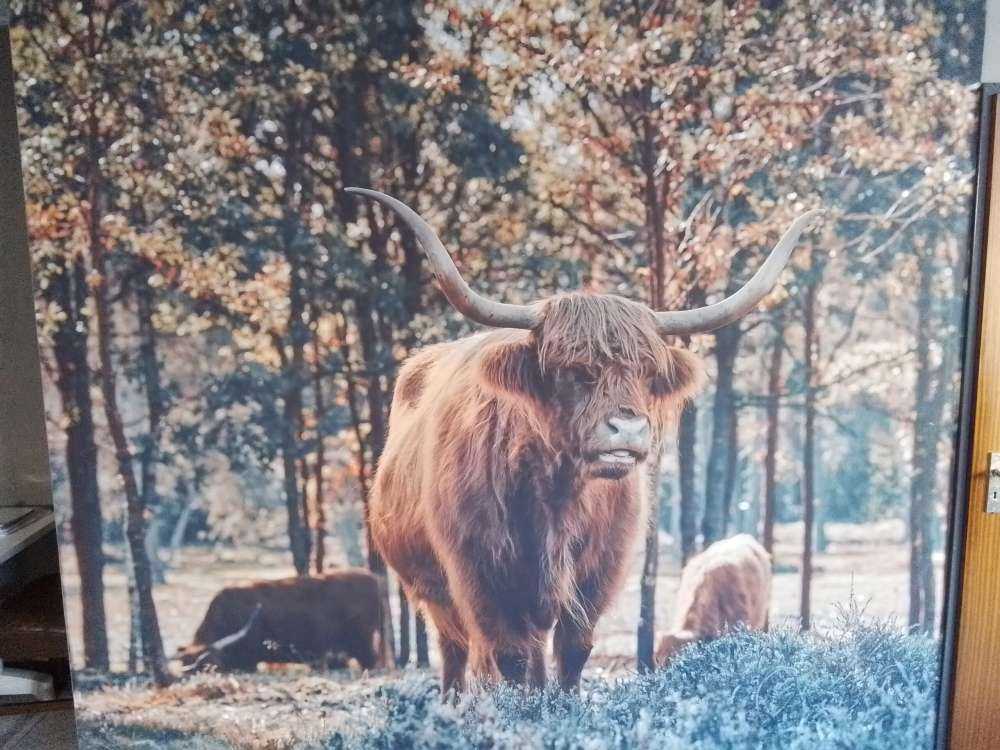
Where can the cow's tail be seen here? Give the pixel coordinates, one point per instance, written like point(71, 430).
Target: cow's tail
point(384, 656)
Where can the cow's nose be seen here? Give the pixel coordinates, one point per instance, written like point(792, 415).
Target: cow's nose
point(631, 430)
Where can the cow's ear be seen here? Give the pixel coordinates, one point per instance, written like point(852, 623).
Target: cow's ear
point(680, 376)
point(512, 368)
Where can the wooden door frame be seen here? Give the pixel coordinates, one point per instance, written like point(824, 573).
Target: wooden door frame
point(954, 696)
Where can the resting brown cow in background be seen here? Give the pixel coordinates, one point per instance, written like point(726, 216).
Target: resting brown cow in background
point(510, 492)
point(727, 585)
point(307, 619)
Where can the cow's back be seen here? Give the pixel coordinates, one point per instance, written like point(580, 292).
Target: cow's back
point(727, 584)
point(320, 614)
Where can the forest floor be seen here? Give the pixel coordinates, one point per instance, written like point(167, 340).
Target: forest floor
point(863, 569)
point(861, 686)
point(864, 564)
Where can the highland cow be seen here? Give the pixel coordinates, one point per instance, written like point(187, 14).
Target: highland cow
point(511, 488)
point(334, 616)
point(725, 587)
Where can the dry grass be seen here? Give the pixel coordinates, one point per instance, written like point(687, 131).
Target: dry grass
point(867, 561)
point(260, 711)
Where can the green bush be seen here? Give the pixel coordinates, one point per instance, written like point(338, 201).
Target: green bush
point(861, 687)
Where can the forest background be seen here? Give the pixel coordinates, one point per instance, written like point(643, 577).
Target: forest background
point(221, 325)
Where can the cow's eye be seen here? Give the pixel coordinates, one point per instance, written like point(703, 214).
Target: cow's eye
point(573, 380)
point(659, 386)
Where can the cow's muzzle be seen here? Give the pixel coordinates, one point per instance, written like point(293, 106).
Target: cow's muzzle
point(622, 441)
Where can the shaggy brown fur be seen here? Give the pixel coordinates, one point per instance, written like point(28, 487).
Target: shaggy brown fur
point(411, 384)
point(488, 502)
point(334, 615)
point(728, 584)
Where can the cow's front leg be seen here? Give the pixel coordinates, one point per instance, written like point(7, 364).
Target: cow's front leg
point(573, 643)
point(483, 661)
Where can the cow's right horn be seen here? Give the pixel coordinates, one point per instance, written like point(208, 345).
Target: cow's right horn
point(738, 304)
point(468, 302)
point(229, 640)
point(201, 659)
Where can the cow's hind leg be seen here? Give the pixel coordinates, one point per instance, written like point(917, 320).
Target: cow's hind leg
point(453, 643)
point(454, 656)
point(573, 643)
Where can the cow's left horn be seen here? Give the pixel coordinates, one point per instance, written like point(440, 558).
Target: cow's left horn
point(471, 304)
point(738, 304)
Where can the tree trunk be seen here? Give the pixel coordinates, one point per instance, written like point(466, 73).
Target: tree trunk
point(808, 452)
point(719, 479)
point(152, 645)
point(156, 407)
point(687, 438)
point(653, 199)
point(733, 468)
point(134, 625)
point(423, 660)
point(774, 384)
point(291, 418)
point(929, 523)
point(154, 527)
point(180, 530)
point(297, 535)
point(403, 655)
point(378, 425)
point(304, 497)
point(646, 632)
point(319, 521)
point(86, 524)
point(944, 393)
point(135, 525)
point(930, 394)
point(376, 564)
point(293, 368)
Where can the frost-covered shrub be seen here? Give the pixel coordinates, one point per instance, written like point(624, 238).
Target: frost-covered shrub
point(863, 687)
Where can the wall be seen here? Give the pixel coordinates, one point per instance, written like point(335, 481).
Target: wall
point(24, 468)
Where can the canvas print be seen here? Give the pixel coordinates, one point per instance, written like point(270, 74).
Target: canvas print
point(499, 375)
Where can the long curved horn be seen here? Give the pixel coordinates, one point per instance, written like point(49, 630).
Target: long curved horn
point(738, 304)
point(196, 664)
point(471, 304)
point(229, 640)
